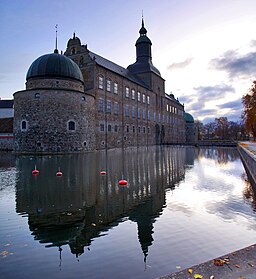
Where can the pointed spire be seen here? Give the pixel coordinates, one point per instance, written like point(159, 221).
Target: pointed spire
point(74, 35)
point(56, 40)
point(143, 30)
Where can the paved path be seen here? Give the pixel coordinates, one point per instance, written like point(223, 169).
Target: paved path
point(240, 264)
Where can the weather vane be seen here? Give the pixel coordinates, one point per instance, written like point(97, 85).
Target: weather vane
point(56, 44)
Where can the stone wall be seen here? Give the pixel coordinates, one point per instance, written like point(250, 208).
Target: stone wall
point(46, 115)
point(249, 161)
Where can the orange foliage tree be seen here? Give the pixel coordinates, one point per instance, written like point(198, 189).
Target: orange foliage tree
point(249, 111)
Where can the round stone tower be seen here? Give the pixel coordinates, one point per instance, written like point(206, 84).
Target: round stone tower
point(54, 114)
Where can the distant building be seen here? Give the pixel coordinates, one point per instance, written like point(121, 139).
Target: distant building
point(6, 108)
point(191, 129)
point(6, 124)
point(94, 103)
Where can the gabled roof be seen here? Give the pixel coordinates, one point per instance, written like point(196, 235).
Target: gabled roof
point(6, 103)
point(101, 61)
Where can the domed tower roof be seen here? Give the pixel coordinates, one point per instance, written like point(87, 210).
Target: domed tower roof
point(143, 35)
point(54, 65)
point(188, 118)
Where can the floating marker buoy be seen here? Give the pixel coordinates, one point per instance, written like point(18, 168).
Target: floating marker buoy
point(59, 173)
point(35, 172)
point(103, 173)
point(122, 182)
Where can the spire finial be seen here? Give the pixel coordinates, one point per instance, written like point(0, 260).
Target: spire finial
point(142, 20)
point(56, 40)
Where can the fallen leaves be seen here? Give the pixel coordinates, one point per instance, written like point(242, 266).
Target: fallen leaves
point(198, 276)
point(218, 262)
point(190, 270)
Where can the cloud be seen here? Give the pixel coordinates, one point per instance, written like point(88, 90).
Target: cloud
point(180, 65)
point(195, 103)
point(234, 105)
point(207, 93)
point(236, 65)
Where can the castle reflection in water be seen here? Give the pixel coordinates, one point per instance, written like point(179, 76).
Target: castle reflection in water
point(82, 205)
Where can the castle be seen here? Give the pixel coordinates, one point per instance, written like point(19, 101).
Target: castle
point(81, 101)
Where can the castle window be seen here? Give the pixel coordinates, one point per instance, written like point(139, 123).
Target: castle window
point(138, 96)
point(71, 125)
point(133, 129)
point(24, 125)
point(144, 114)
point(126, 110)
point(138, 112)
point(109, 128)
point(139, 129)
point(109, 85)
point(148, 99)
point(148, 130)
point(116, 107)
point(148, 115)
point(101, 82)
point(37, 95)
point(127, 128)
point(116, 128)
point(102, 127)
point(115, 88)
point(167, 107)
point(100, 105)
point(143, 98)
point(133, 112)
point(144, 130)
point(83, 98)
point(127, 92)
point(73, 50)
point(108, 106)
point(133, 94)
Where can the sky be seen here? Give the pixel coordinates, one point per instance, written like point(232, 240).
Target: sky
point(205, 50)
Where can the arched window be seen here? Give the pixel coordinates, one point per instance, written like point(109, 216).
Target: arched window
point(71, 125)
point(24, 125)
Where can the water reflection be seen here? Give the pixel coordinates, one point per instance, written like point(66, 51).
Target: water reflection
point(82, 205)
point(179, 201)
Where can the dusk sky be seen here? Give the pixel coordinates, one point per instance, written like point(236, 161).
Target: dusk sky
point(205, 50)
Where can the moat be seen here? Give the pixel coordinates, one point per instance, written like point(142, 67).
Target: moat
point(182, 206)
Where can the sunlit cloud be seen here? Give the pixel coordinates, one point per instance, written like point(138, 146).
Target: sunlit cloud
point(180, 65)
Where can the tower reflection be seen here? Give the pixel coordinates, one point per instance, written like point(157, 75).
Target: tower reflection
point(82, 205)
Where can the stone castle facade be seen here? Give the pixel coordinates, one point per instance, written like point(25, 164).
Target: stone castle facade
point(81, 101)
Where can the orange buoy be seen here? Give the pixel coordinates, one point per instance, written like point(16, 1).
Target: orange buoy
point(103, 173)
point(35, 172)
point(122, 182)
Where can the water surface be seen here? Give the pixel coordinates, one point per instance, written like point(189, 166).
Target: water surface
point(182, 206)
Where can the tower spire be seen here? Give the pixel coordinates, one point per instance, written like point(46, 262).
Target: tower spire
point(56, 39)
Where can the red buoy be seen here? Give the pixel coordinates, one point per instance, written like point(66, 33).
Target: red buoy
point(122, 182)
point(59, 173)
point(35, 172)
point(103, 173)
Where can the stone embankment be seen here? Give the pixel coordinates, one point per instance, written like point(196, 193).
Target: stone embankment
point(247, 152)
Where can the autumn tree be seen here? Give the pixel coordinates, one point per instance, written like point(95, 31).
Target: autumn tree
point(249, 111)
